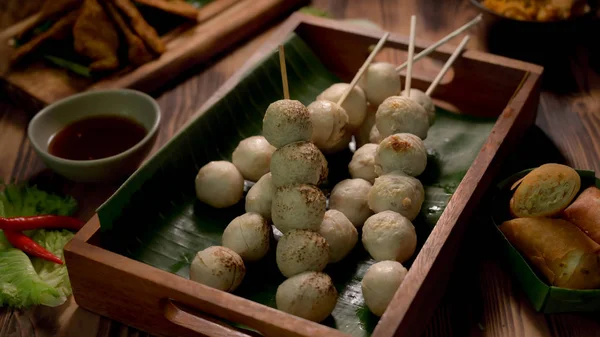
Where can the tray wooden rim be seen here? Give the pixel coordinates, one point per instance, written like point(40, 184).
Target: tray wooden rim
point(402, 313)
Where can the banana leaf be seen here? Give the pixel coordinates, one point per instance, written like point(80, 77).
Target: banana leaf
point(155, 217)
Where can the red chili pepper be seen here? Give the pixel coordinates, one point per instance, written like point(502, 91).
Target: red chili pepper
point(26, 244)
point(40, 221)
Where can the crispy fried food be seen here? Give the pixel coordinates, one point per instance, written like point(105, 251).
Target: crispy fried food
point(560, 251)
point(180, 8)
point(584, 212)
point(140, 26)
point(60, 30)
point(50, 9)
point(536, 10)
point(137, 52)
point(96, 37)
point(545, 191)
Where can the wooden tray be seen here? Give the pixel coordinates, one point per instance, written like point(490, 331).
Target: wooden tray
point(163, 303)
point(221, 24)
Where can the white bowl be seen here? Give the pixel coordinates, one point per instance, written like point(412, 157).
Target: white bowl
point(118, 102)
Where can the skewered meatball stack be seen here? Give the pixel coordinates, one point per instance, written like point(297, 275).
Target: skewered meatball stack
point(376, 207)
point(298, 206)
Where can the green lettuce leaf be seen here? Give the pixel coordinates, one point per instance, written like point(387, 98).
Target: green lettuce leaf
point(25, 282)
point(4, 245)
point(21, 286)
point(23, 200)
point(54, 275)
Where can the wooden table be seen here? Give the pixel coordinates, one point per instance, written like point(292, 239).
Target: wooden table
point(481, 299)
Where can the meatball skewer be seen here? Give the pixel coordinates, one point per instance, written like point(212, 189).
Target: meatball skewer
point(364, 67)
point(424, 98)
point(442, 41)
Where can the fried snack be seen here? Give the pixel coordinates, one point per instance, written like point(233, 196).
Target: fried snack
point(180, 8)
point(60, 30)
point(545, 191)
point(50, 9)
point(584, 212)
point(140, 26)
point(536, 10)
point(96, 37)
point(137, 52)
point(559, 250)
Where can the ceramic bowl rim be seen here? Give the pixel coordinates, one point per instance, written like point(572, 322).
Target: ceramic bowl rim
point(86, 95)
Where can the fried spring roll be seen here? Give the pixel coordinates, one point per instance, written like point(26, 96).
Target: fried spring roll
point(545, 191)
point(560, 251)
point(584, 212)
point(49, 10)
point(137, 52)
point(96, 37)
point(59, 30)
point(140, 26)
point(180, 8)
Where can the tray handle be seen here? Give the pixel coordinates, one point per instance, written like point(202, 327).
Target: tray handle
point(196, 322)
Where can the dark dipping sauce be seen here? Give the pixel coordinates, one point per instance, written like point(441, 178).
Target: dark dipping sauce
point(96, 137)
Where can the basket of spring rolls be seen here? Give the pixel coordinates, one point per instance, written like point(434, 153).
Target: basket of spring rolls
point(548, 222)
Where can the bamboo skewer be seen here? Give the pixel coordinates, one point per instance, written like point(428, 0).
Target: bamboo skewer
point(364, 67)
point(411, 53)
point(284, 79)
point(445, 39)
point(447, 66)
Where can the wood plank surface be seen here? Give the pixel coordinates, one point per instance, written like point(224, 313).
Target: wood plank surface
point(481, 300)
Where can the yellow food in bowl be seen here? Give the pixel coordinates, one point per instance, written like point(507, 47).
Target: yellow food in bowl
point(536, 10)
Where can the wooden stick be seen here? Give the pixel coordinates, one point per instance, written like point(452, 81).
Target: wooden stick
point(284, 79)
point(519, 87)
point(447, 66)
point(445, 39)
point(364, 67)
point(411, 54)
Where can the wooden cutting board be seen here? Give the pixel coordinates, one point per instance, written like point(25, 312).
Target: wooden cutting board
point(221, 24)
